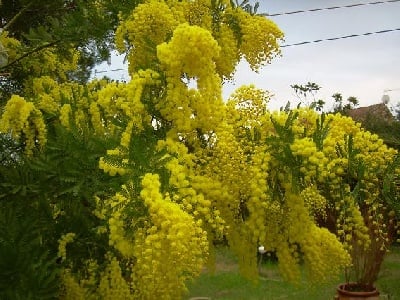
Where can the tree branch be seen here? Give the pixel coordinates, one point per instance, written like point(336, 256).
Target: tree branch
point(35, 50)
point(17, 16)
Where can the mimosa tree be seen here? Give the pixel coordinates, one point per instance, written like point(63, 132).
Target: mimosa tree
point(140, 178)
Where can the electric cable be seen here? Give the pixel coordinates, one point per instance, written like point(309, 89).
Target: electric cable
point(113, 70)
point(340, 37)
point(328, 8)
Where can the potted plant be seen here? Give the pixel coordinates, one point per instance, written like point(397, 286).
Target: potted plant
point(365, 211)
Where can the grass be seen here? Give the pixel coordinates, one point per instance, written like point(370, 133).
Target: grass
point(226, 283)
point(389, 277)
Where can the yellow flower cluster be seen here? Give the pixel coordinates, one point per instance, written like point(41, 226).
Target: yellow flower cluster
point(150, 24)
point(43, 63)
point(11, 45)
point(289, 260)
point(238, 33)
point(350, 223)
point(168, 248)
point(221, 165)
point(314, 201)
point(47, 91)
point(91, 270)
point(62, 244)
point(116, 225)
point(72, 290)
point(297, 217)
point(96, 118)
point(258, 200)
point(110, 98)
point(190, 53)
point(95, 284)
point(25, 122)
point(198, 13)
point(259, 41)
point(112, 284)
point(247, 107)
point(170, 251)
point(125, 101)
point(324, 256)
point(110, 168)
point(229, 55)
point(193, 192)
point(190, 200)
point(74, 104)
point(305, 123)
point(374, 145)
point(314, 161)
point(191, 50)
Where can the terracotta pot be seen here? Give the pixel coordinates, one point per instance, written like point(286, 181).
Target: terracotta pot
point(348, 291)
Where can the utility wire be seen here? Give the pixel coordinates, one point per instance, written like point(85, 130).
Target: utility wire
point(106, 71)
point(341, 37)
point(327, 8)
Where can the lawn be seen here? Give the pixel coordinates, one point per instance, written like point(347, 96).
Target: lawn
point(227, 283)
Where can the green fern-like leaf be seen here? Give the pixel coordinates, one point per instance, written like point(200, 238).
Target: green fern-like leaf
point(27, 270)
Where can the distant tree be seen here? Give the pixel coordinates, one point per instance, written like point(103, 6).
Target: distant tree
point(307, 95)
point(388, 131)
point(303, 92)
point(397, 111)
point(342, 107)
point(352, 101)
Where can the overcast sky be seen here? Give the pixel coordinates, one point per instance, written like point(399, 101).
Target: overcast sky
point(361, 66)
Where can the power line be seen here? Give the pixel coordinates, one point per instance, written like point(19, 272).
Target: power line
point(106, 71)
point(391, 90)
point(340, 37)
point(328, 8)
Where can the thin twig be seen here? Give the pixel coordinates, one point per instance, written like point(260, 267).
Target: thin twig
point(37, 49)
point(17, 16)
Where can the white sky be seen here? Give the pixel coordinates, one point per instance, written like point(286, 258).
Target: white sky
point(362, 66)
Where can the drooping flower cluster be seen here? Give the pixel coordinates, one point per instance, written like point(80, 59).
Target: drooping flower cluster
point(150, 24)
point(172, 249)
point(62, 244)
point(25, 123)
point(190, 53)
point(259, 38)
